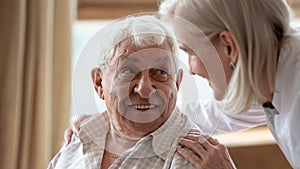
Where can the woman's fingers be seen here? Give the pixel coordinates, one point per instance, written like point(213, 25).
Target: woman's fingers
point(76, 123)
point(195, 132)
point(205, 141)
point(75, 128)
point(67, 136)
point(190, 156)
point(205, 152)
point(213, 141)
point(193, 145)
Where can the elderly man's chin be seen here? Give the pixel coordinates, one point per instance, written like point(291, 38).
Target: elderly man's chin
point(141, 123)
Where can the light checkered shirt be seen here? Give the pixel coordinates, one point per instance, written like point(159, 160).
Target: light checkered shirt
point(156, 150)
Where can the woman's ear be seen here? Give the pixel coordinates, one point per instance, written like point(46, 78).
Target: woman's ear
point(97, 81)
point(179, 78)
point(230, 46)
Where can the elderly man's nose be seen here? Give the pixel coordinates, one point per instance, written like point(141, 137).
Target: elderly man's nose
point(144, 86)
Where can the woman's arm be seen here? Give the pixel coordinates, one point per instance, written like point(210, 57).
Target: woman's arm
point(211, 118)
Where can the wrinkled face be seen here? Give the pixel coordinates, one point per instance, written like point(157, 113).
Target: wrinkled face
point(140, 88)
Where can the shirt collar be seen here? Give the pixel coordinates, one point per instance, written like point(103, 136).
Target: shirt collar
point(168, 134)
point(95, 129)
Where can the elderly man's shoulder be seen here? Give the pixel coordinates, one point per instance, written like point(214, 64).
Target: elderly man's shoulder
point(186, 120)
point(96, 121)
point(68, 156)
point(71, 155)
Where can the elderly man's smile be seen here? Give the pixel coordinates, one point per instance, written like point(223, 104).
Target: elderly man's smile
point(143, 106)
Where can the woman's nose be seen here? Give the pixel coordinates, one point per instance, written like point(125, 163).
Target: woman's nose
point(191, 65)
point(191, 71)
point(144, 85)
point(197, 67)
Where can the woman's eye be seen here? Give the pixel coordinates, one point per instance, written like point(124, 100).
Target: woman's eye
point(184, 50)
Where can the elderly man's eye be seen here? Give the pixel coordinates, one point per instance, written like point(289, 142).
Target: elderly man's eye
point(160, 71)
point(160, 75)
point(127, 73)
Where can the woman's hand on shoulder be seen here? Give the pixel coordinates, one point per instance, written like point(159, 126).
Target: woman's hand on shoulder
point(74, 128)
point(205, 152)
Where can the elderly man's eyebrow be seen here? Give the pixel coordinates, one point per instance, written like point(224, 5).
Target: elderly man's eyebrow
point(128, 58)
point(163, 60)
point(158, 60)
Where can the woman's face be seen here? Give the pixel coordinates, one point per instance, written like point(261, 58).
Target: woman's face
point(217, 81)
point(196, 66)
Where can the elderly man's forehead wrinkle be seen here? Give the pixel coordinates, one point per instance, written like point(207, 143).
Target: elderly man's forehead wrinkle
point(160, 60)
point(124, 53)
point(117, 56)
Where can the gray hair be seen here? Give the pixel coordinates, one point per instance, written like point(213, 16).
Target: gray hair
point(144, 30)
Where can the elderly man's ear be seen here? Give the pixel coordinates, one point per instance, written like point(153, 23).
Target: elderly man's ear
point(97, 81)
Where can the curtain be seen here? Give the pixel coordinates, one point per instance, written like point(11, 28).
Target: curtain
point(35, 80)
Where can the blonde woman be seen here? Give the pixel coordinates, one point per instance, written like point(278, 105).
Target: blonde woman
point(260, 54)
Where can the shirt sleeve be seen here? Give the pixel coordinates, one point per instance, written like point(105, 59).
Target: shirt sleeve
point(53, 162)
point(69, 156)
point(286, 131)
point(210, 117)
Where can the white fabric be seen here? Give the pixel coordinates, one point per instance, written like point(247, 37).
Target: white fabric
point(207, 115)
point(284, 126)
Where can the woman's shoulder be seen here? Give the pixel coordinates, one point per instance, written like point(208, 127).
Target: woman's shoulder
point(290, 50)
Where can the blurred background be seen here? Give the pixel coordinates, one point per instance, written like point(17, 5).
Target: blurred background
point(40, 42)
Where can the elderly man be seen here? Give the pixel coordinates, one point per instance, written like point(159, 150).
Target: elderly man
point(138, 80)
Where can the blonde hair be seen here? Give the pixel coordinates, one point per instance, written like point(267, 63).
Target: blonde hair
point(258, 28)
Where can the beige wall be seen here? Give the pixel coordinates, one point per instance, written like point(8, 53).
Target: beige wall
point(259, 157)
point(110, 9)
